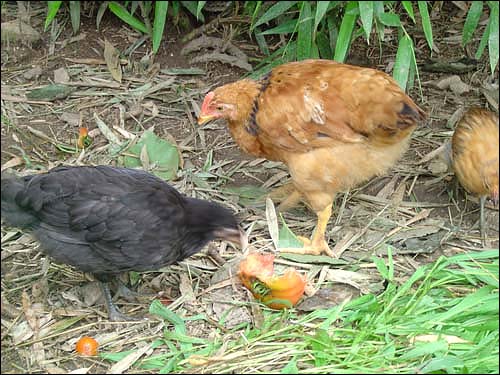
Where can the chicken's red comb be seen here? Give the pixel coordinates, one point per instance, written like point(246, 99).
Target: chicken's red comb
point(206, 102)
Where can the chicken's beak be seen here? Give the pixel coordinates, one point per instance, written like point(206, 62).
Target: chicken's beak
point(202, 119)
point(236, 236)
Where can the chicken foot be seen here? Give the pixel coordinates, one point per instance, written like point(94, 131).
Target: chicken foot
point(123, 291)
point(317, 245)
point(114, 314)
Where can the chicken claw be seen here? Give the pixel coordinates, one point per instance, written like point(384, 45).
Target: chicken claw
point(317, 248)
point(318, 244)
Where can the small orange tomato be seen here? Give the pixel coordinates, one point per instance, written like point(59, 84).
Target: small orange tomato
point(83, 139)
point(278, 292)
point(87, 346)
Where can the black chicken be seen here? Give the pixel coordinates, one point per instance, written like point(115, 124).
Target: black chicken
point(106, 220)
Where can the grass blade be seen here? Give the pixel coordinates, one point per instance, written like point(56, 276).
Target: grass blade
point(403, 61)
point(426, 22)
point(193, 9)
point(409, 9)
point(304, 38)
point(366, 15)
point(125, 16)
point(484, 42)
point(100, 13)
point(53, 8)
point(323, 45)
point(493, 37)
point(276, 10)
point(286, 27)
point(261, 41)
point(258, 4)
point(321, 8)
point(199, 8)
point(345, 33)
point(74, 11)
point(390, 19)
point(471, 21)
point(161, 8)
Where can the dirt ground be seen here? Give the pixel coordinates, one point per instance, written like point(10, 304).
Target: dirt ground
point(54, 293)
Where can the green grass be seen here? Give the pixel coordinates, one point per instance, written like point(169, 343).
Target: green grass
point(453, 302)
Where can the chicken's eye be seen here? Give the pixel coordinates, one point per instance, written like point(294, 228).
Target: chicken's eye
point(220, 107)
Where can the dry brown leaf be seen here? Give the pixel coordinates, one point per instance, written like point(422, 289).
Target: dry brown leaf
point(186, 288)
point(112, 57)
point(61, 76)
point(14, 162)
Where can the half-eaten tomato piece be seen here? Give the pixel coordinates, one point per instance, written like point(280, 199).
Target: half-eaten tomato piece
point(278, 292)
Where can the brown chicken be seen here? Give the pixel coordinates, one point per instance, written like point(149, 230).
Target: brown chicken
point(334, 125)
point(475, 156)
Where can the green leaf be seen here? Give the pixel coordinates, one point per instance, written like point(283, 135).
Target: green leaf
point(53, 8)
point(366, 15)
point(100, 13)
point(164, 312)
point(321, 8)
point(403, 61)
point(134, 277)
point(192, 6)
point(409, 9)
point(304, 37)
point(345, 33)
point(276, 10)
point(465, 305)
point(125, 16)
point(199, 8)
point(161, 8)
point(261, 41)
point(74, 11)
point(424, 349)
point(162, 155)
point(378, 7)
point(51, 92)
point(290, 368)
point(381, 267)
point(286, 27)
point(324, 46)
point(314, 51)
point(258, 4)
point(493, 37)
point(470, 25)
point(333, 32)
point(247, 191)
point(448, 363)
point(426, 22)
point(286, 237)
point(484, 42)
point(390, 19)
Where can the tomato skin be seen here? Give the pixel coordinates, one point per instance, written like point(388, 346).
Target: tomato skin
point(87, 346)
point(276, 292)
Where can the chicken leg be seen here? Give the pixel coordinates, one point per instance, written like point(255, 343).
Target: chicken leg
point(482, 223)
point(317, 244)
point(287, 195)
point(114, 314)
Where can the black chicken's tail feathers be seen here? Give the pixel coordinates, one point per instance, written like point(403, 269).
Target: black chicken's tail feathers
point(12, 213)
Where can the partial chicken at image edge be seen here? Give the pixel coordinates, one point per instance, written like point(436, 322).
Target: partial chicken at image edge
point(334, 126)
point(106, 220)
point(475, 157)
